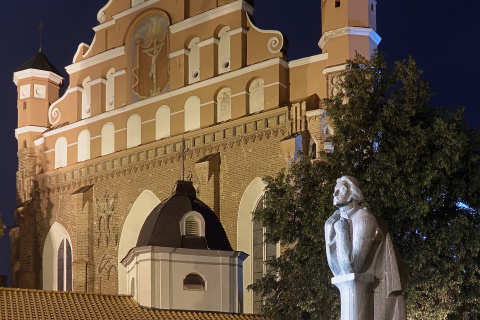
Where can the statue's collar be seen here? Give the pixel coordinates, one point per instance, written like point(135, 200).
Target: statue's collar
point(347, 212)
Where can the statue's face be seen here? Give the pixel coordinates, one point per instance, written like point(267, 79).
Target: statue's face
point(341, 194)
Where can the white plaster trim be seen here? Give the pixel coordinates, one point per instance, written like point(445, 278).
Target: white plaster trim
point(48, 151)
point(29, 73)
point(96, 137)
point(29, 129)
point(238, 30)
point(119, 73)
point(72, 144)
point(211, 15)
point(170, 94)
point(91, 46)
point(79, 50)
point(207, 42)
point(275, 83)
point(334, 69)
point(273, 42)
point(134, 9)
point(104, 25)
point(39, 141)
point(179, 53)
point(238, 94)
point(308, 60)
point(97, 81)
point(148, 121)
point(99, 58)
point(313, 113)
point(207, 103)
point(171, 114)
point(358, 31)
point(120, 130)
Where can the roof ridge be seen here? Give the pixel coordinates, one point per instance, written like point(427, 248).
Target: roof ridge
point(65, 292)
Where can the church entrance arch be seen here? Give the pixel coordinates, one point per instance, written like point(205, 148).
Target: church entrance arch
point(136, 217)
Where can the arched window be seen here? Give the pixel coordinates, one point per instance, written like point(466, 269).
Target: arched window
point(86, 98)
point(134, 131)
point(83, 145)
point(191, 227)
point(224, 50)
point(64, 266)
point(108, 139)
point(224, 105)
point(57, 259)
point(194, 61)
point(110, 90)
point(162, 122)
point(60, 152)
point(256, 100)
point(192, 113)
point(194, 281)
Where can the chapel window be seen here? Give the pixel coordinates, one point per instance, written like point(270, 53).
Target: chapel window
point(108, 139)
point(192, 113)
point(162, 122)
point(194, 61)
point(83, 145)
point(191, 227)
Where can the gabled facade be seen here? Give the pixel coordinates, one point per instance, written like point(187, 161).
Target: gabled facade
point(167, 90)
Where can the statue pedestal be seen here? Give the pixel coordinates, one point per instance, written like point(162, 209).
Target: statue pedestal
point(356, 295)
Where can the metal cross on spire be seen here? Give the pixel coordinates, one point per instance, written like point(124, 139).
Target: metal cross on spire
point(41, 26)
point(184, 156)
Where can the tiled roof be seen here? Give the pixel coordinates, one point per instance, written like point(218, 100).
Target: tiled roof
point(40, 304)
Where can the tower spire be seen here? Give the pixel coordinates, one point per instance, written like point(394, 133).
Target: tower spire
point(40, 29)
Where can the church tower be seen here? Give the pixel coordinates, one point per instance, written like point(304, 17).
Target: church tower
point(38, 84)
point(348, 26)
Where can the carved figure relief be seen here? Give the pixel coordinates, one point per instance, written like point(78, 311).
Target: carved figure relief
point(336, 82)
point(150, 62)
point(106, 228)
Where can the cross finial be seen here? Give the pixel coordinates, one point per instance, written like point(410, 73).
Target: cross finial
point(40, 29)
point(184, 150)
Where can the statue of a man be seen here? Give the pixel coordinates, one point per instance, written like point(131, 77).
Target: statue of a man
point(359, 247)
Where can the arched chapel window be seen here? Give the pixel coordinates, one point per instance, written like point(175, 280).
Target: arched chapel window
point(194, 281)
point(108, 139)
point(162, 122)
point(64, 266)
point(83, 146)
point(192, 113)
point(134, 131)
point(224, 50)
point(86, 98)
point(194, 61)
point(60, 152)
point(192, 224)
point(110, 90)
point(256, 96)
point(224, 105)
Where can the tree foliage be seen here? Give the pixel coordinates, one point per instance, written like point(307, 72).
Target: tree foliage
point(420, 169)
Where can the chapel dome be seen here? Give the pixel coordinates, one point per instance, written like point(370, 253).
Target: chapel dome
point(163, 226)
point(39, 62)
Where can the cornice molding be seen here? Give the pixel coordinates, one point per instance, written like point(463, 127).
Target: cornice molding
point(29, 73)
point(29, 129)
point(357, 31)
point(97, 59)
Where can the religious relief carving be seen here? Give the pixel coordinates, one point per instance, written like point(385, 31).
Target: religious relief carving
point(106, 228)
point(336, 83)
point(150, 62)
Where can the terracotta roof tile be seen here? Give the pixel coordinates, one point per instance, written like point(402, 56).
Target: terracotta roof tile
point(28, 304)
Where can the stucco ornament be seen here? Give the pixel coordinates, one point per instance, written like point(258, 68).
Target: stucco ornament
point(367, 267)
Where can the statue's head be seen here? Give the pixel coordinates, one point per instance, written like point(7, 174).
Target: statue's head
point(347, 191)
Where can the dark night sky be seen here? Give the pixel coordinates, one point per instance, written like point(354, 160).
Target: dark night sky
point(440, 35)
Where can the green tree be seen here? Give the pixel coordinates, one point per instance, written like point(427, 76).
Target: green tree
point(420, 169)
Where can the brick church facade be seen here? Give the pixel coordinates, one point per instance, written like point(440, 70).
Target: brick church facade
point(167, 90)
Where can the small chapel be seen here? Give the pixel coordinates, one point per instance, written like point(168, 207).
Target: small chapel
point(189, 96)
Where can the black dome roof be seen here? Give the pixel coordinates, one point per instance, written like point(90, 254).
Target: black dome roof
point(162, 226)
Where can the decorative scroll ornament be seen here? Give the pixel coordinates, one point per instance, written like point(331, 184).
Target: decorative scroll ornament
point(275, 43)
point(54, 115)
point(101, 17)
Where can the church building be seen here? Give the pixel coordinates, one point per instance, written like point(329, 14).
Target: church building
point(188, 95)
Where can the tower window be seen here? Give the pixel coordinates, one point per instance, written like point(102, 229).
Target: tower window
point(337, 3)
point(194, 281)
point(371, 7)
point(24, 105)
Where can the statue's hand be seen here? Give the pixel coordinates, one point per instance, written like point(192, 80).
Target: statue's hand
point(329, 228)
point(342, 226)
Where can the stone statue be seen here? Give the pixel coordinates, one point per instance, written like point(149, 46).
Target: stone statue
point(367, 267)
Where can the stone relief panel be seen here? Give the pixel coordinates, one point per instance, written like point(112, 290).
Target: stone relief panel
point(107, 233)
point(150, 62)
